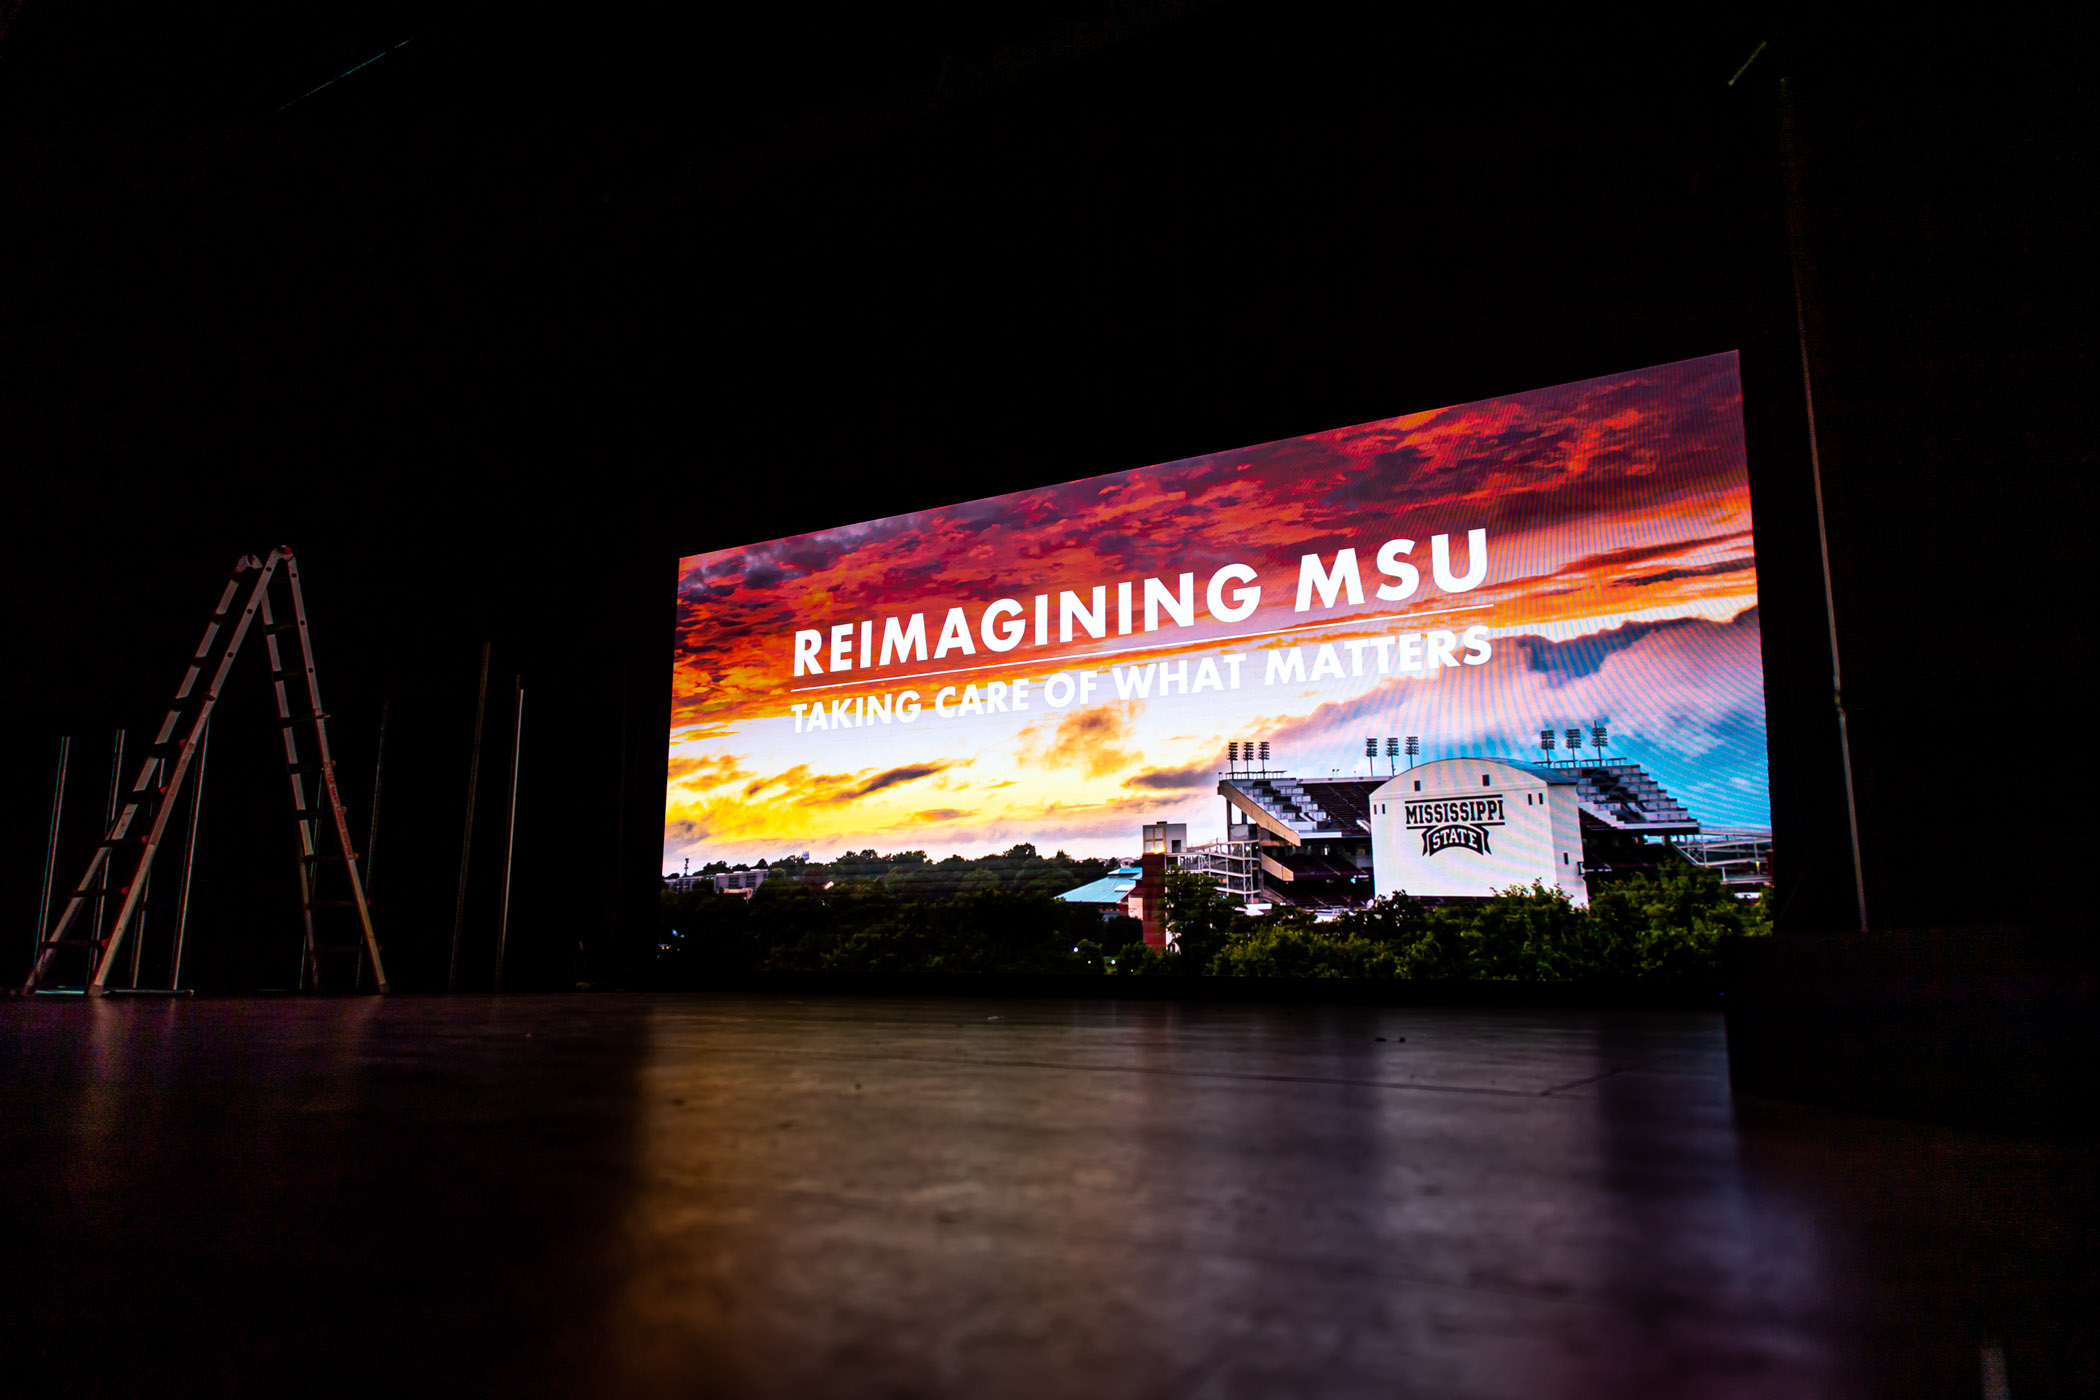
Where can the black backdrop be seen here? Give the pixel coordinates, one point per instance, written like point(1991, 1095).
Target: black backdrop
point(493, 329)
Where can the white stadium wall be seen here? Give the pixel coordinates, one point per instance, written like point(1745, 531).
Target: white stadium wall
point(1471, 826)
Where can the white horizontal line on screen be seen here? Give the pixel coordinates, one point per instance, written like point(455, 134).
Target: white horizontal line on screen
point(1125, 651)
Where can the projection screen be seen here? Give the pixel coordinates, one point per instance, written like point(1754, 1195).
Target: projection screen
point(1354, 660)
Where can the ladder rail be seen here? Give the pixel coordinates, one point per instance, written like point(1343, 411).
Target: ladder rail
point(328, 782)
point(309, 954)
point(258, 595)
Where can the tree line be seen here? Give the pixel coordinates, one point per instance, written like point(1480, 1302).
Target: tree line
point(868, 913)
point(1664, 926)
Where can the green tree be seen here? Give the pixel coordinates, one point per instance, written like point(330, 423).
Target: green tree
point(703, 934)
point(1290, 949)
point(1396, 920)
point(1667, 925)
point(1435, 950)
point(1427, 942)
point(1523, 933)
point(1200, 919)
point(1137, 958)
point(998, 914)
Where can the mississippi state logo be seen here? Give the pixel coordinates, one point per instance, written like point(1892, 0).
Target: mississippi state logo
point(1455, 821)
point(1443, 838)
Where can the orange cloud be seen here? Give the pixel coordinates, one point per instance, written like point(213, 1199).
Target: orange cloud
point(1194, 775)
point(1090, 741)
point(908, 774)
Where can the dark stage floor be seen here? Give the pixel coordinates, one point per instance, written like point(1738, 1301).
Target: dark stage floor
point(724, 1197)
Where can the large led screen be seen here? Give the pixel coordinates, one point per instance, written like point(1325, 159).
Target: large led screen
point(1446, 652)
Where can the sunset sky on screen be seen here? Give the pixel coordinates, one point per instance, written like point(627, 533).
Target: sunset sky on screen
point(1621, 586)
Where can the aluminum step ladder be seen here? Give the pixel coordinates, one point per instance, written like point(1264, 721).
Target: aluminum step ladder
point(142, 815)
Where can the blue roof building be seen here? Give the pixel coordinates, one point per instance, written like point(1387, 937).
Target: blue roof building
point(1112, 888)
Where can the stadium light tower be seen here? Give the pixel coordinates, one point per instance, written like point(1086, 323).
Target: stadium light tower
point(1392, 754)
point(1414, 748)
point(1232, 756)
point(1371, 755)
point(1575, 744)
point(1599, 738)
point(1547, 741)
point(1265, 755)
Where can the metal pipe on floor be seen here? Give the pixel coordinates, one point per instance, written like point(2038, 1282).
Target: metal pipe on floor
point(510, 830)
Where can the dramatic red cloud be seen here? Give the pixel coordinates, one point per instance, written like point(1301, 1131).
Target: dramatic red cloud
point(1553, 476)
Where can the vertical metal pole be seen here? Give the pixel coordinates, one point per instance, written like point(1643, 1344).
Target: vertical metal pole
point(372, 834)
point(109, 818)
point(1796, 239)
point(189, 857)
point(378, 775)
point(466, 840)
point(58, 807)
point(510, 830)
point(138, 932)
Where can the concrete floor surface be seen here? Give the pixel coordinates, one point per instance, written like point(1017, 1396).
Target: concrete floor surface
point(716, 1196)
